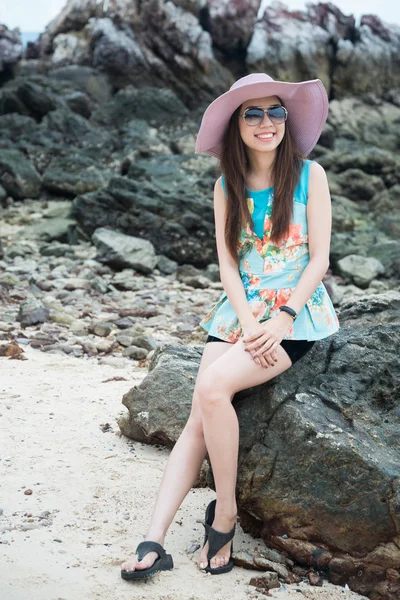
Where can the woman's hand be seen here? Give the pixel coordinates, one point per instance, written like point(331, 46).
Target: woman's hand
point(263, 340)
point(249, 329)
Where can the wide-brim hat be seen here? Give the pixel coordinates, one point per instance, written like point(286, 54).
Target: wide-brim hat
point(306, 102)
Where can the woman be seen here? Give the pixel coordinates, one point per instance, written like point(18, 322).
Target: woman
point(273, 224)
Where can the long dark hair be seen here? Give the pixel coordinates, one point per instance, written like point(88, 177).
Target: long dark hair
point(286, 170)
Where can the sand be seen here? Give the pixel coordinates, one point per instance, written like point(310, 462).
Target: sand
point(93, 493)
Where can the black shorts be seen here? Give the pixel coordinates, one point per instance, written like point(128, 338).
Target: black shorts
point(295, 348)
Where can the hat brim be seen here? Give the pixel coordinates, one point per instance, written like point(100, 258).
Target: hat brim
point(306, 102)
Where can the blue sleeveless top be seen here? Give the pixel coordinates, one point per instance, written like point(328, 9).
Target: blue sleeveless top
point(270, 272)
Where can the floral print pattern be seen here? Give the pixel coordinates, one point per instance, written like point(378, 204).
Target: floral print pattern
point(270, 273)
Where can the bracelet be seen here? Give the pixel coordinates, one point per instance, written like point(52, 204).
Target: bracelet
point(289, 310)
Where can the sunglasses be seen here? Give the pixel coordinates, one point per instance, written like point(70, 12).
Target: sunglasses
point(254, 115)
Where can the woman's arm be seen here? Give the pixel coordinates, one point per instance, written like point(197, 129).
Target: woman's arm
point(229, 271)
point(319, 217)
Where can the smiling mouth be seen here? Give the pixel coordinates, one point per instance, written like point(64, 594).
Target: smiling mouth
point(265, 137)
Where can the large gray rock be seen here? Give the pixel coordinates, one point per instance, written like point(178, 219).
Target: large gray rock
point(72, 175)
point(363, 62)
point(158, 208)
point(305, 438)
point(10, 47)
point(17, 175)
point(120, 251)
point(359, 269)
point(282, 40)
point(86, 79)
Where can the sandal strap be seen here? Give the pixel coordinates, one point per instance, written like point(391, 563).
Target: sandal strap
point(217, 539)
point(147, 546)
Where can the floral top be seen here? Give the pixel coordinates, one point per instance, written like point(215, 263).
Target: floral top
point(270, 272)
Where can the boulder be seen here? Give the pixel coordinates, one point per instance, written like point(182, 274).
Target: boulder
point(119, 250)
point(359, 269)
point(72, 175)
point(161, 210)
point(17, 175)
point(319, 449)
point(10, 48)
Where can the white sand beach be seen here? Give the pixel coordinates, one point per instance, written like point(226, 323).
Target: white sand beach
point(93, 493)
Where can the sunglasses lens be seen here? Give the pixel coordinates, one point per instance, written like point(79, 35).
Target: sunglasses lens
point(253, 116)
point(277, 114)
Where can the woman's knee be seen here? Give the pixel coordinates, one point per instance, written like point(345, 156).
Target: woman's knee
point(210, 392)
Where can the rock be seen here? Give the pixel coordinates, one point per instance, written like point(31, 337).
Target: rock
point(357, 185)
point(79, 103)
point(17, 175)
point(119, 250)
point(10, 47)
point(367, 57)
point(86, 79)
point(32, 311)
point(359, 269)
point(230, 23)
point(166, 265)
point(371, 310)
point(388, 253)
point(148, 421)
point(265, 582)
point(49, 229)
point(316, 411)
point(281, 38)
point(152, 104)
point(362, 128)
point(73, 127)
point(135, 352)
point(146, 342)
point(77, 283)
point(70, 48)
point(72, 175)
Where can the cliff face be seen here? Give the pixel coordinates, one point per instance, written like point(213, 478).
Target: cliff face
point(197, 47)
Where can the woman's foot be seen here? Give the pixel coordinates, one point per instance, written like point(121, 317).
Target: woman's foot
point(223, 523)
point(133, 564)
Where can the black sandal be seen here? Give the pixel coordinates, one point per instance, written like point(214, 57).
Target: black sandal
point(163, 563)
point(216, 540)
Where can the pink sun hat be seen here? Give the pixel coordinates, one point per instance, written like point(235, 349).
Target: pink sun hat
point(306, 102)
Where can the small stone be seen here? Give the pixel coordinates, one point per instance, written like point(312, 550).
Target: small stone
point(28, 492)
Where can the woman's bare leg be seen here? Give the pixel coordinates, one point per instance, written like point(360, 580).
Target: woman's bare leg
point(230, 373)
point(182, 468)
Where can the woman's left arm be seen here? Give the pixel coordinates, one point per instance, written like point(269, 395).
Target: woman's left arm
point(319, 218)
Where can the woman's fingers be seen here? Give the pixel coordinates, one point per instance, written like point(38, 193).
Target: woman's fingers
point(266, 347)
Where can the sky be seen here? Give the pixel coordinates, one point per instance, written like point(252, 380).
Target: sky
point(33, 15)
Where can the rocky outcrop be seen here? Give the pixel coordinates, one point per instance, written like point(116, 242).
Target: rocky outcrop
point(319, 471)
point(148, 43)
point(188, 45)
point(10, 51)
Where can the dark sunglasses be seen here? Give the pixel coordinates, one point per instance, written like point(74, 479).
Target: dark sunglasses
point(254, 115)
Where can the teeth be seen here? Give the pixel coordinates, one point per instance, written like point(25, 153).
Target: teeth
point(264, 135)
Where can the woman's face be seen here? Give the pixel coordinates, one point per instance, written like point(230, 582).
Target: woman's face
point(256, 138)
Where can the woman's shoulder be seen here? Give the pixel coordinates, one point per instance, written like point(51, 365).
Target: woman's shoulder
point(315, 168)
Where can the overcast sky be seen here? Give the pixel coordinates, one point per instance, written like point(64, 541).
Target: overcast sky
point(33, 15)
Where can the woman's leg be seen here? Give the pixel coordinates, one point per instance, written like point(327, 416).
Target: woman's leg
point(182, 468)
point(216, 386)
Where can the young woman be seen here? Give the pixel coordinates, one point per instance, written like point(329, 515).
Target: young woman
point(273, 224)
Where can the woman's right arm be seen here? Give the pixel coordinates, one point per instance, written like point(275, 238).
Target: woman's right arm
point(229, 272)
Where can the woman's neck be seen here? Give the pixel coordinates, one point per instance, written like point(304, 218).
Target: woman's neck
point(259, 170)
